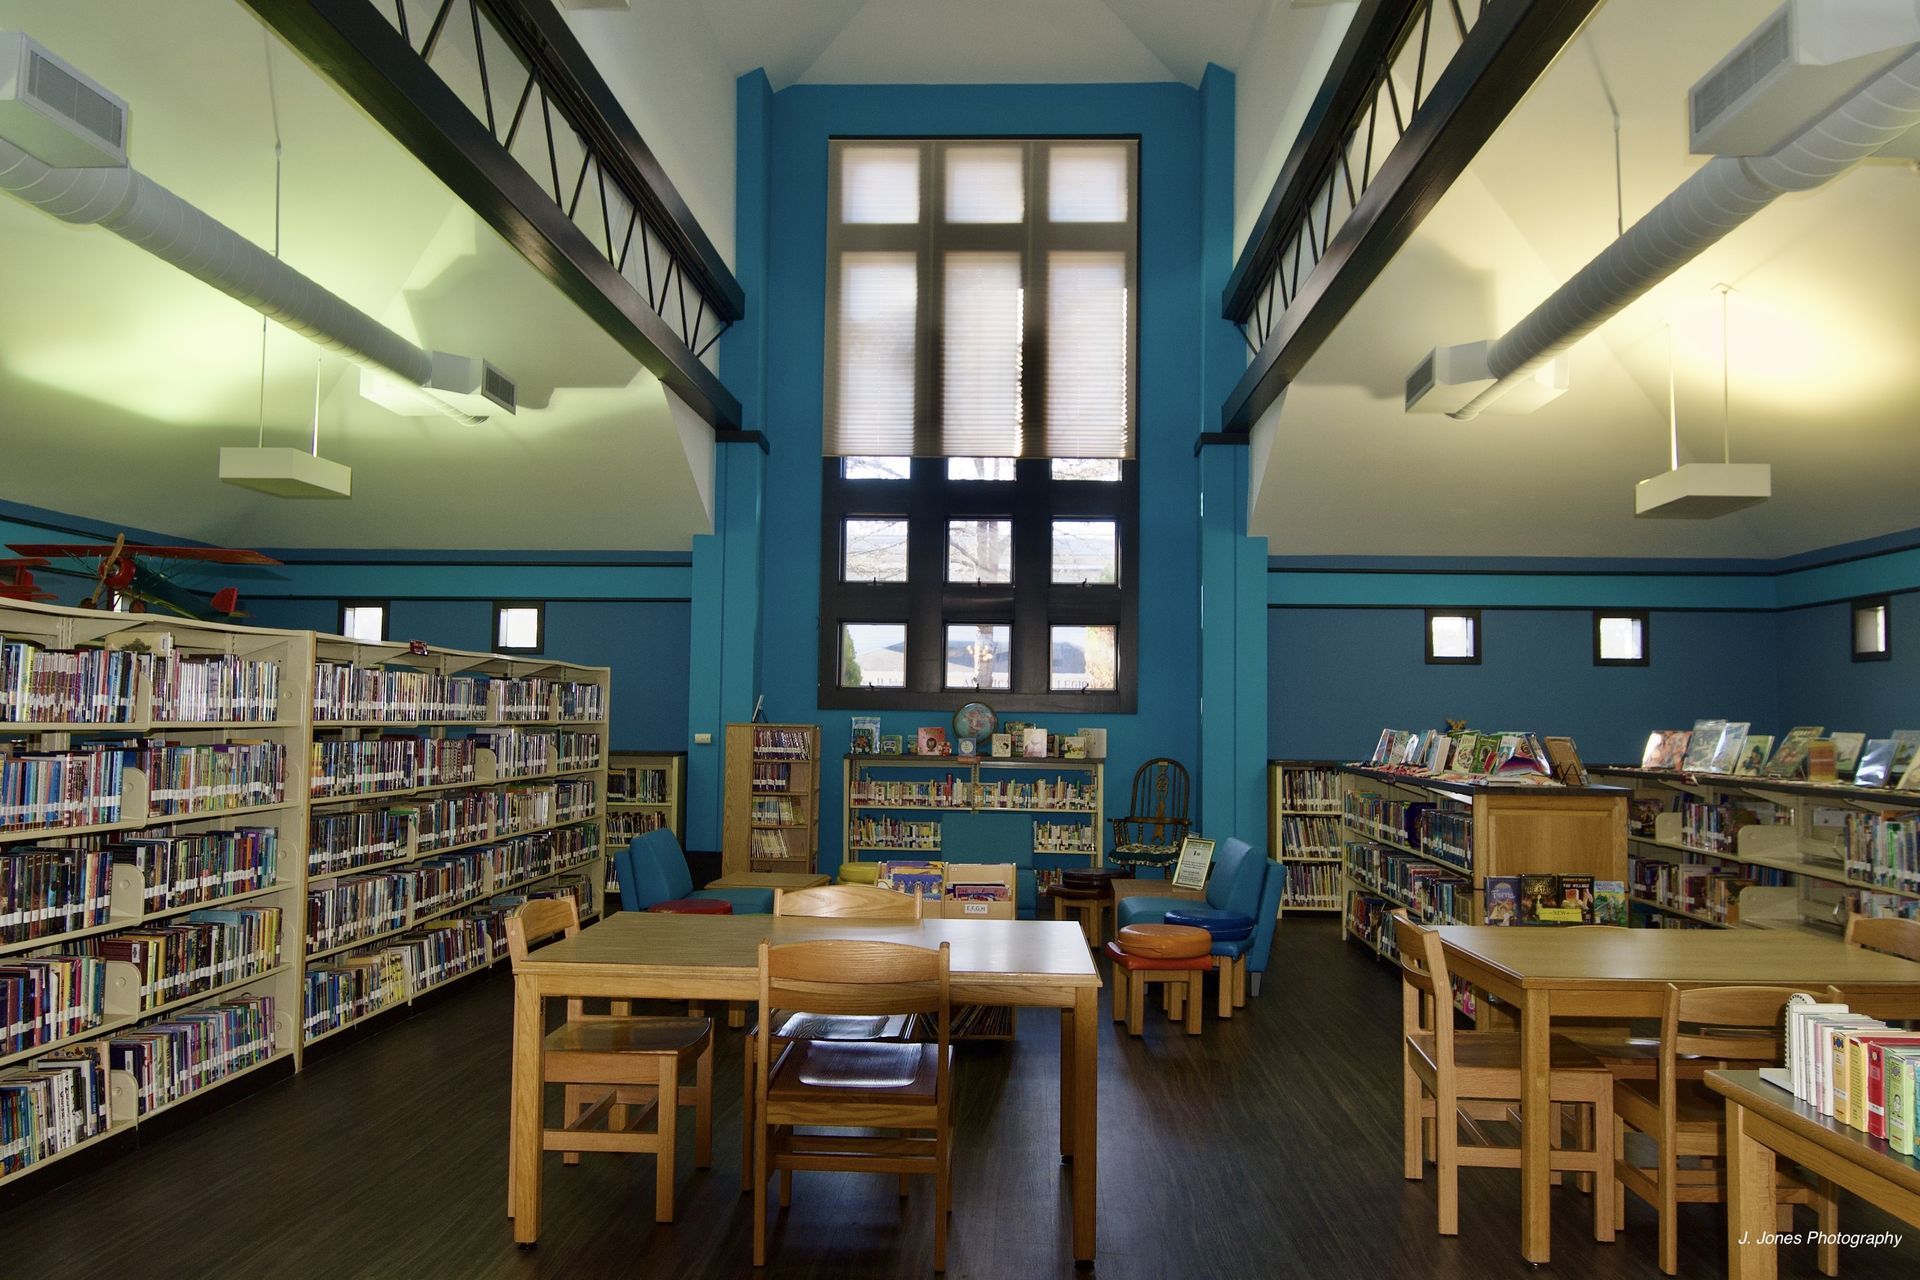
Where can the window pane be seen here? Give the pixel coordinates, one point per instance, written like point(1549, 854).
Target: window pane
point(981, 409)
point(364, 622)
point(1086, 551)
point(879, 293)
point(873, 655)
point(880, 184)
point(1086, 468)
point(980, 551)
point(1087, 355)
point(875, 551)
point(1452, 636)
point(1084, 658)
point(979, 655)
point(1622, 640)
point(1087, 183)
point(519, 627)
point(1870, 629)
point(980, 468)
point(986, 184)
point(872, 468)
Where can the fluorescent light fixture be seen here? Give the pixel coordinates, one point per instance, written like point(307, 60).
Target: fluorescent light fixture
point(286, 473)
point(1449, 377)
point(1703, 490)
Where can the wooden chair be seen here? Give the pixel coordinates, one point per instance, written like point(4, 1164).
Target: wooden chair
point(836, 1085)
point(1626, 1055)
point(619, 1069)
point(1156, 820)
point(1454, 1079)
point(1731, 1026)
point(1895, 937)
point(849, 902)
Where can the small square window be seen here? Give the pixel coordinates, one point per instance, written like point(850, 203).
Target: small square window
point(980, 468)
point(880, 184)
point(1086, 552)
point(1453, 636)
point(1620, 638)
point(1087, 182)
point(1107, 469)
point(875, 468)
point(979, 551)
point(874, 551)
point(363, 620)
point(519, 627)
point(986, 184)
point(979, 655)
point(1084, 659)
point(873, 655)
point(1872, 630)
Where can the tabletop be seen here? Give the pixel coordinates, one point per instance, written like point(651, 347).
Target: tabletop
point(1574, 958)
point(1777, 1105)
point(1050, 952)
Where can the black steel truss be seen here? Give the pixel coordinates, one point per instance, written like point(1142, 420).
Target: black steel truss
point(1415, 90)
point(499, 100)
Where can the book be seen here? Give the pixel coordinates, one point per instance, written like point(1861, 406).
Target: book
point(967, 748)
point(1869, 1065)
point(1846, 752)
point(1073, 747)
point(931, 740)
point(1610, 902)
point(1382, 748)
point(1503, 899)
point(1033, 744)
point(1666, 749)
point(1900, 1067)
point(866, 735)
point(1822, 761)
point(1096, 743)
point(1702, 744)
point(1538, 893)
point(893, 744)
point(1906, 749)
point(1565, 759)
point(1753, 757)
point(1439, 752)
point(1576, 896)
point(1726, 752)
point(1790, 757)
point(1910, 780)
point(1876, 762)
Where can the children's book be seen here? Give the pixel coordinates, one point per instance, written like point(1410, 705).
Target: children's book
point(931, 740)
point(1876, 762)
point(1790, 757)
point(1701, 747)
point(1538, 894)
point(1576, 899)
point(1726, 753)
point(1823, 761)
point(1666, 749)
point(1503, 899)
point(1846, 752)
point(1753, 757)
point(1609, 902)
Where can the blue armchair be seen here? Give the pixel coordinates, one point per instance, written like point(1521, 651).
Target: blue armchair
point(653, 869)
point(1234, 884)
point(1247, 957)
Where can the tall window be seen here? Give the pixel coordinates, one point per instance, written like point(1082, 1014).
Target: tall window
point(980, 494)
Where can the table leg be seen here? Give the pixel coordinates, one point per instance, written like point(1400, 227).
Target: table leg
point(1066, 1084)
point(1086, 1141)
point(525, 1110)
point(1537, 1120)
point(1750, 1184)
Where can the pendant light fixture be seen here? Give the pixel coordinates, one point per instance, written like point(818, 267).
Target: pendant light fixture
point(1703, 490)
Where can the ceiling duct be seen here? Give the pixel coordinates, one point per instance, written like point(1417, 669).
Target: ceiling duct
point(1881, 105)
point(59, 135)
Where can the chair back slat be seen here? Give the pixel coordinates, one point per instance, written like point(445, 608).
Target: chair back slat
point(853, 976)
point(1415, 965)
point(849, 902)
point(1426, 992)
point(1731, 1024)
point(1894, 936)
point(538, 920)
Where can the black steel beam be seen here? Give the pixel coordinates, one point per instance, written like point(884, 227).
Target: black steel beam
point(1494, 67)
point(352, 43)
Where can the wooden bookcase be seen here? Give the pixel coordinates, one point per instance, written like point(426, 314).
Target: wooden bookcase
point(646, 790)
point(772, 816)
point(1792, 868)
point(1305, 832)
point(510, 805)
point(976, 781)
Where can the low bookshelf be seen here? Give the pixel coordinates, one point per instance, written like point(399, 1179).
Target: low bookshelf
point(1306, 833)
point(900, 806)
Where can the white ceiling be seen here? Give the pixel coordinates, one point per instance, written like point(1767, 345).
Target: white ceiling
point(121, 377)
point(1823, 326)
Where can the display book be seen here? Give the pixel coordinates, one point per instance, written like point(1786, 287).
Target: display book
point(155, 856)
point(1304, 831)
point(771, 819)
point(1805, 753)
point(1852, 1068)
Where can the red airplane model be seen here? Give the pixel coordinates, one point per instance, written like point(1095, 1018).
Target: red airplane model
point(118, 571)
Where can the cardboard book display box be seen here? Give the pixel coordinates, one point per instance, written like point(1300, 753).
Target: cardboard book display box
point(977, 891)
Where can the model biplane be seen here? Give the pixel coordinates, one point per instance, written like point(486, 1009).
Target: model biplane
point(124, 575)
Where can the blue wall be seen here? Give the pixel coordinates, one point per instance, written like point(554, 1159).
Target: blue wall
point(1820, 683)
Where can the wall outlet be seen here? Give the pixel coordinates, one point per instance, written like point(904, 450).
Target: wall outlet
point(702, 739)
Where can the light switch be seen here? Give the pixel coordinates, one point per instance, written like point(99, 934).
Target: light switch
point(702, 739)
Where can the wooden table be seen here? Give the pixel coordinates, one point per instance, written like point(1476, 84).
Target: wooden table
point(1765, 1122)
point(769, 880)
point(1621, 974)
point(647, 956)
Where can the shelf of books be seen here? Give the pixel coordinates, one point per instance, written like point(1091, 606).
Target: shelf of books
point(772, 817)
point(897, 804)
point(1305, 832)
point(447, 787)
point(645, 792)
point(1728, 830)
point(152, 835)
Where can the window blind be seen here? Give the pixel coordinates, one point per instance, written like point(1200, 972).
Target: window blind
point(981, 411)
point(873, 410)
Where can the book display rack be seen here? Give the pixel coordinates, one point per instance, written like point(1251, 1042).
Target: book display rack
point(1306, 832)
point(772, 816)
point(901, 804)
point(219, 844)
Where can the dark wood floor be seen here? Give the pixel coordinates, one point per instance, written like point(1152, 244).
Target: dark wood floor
point(1268, 1147)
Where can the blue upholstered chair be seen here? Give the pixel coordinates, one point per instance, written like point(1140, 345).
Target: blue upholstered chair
point(1234, 883)
point(654, 869)
point(1249, 955)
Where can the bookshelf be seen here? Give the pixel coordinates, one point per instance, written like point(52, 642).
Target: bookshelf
point(1715, 851)
point(772, 816)
point(646, 791)
point(887, 814)
point(159, 800)
point(1306, 833)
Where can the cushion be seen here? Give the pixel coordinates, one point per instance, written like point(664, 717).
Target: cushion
point(1224, 926)
point(1157, 964)
point(746, 902)
point(1164, 941)
point(693, 907)
point(859, 872)
point(1140, 909)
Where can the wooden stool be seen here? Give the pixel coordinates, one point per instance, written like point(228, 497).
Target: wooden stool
point(1088, 909)
point(1132, 974)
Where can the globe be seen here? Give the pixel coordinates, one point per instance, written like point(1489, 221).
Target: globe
point(975, 720)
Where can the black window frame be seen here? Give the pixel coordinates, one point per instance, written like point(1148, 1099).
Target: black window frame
point(539, 608)
point(386, 617)
point(1885, 605)
point(1646, 638)
point(1426, 637)
point(1032, 604)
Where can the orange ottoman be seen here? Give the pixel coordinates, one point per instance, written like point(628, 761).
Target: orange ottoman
point(1148, 953)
